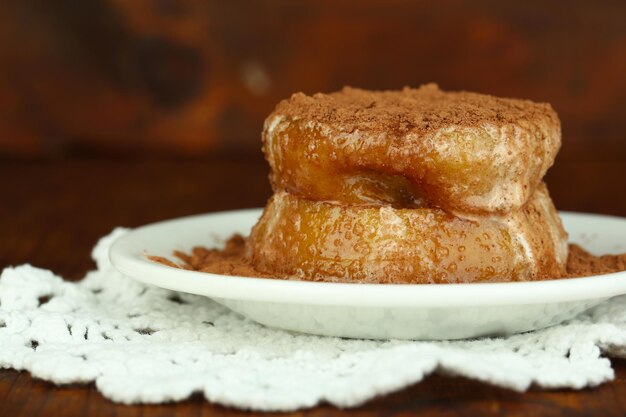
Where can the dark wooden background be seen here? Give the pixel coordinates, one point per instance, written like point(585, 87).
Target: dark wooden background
point(125, 112)
point(195, 77)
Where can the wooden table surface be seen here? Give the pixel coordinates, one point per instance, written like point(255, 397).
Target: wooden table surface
point(52, 212)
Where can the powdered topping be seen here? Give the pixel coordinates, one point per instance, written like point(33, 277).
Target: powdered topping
point(422, 110)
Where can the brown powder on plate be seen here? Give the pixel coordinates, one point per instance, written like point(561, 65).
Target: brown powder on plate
point(581, 263)
point(231, 260)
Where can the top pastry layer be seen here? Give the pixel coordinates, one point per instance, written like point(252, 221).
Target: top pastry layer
point(463, 152)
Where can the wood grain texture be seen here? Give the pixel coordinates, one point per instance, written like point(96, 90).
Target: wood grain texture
point(51, 214)
point(198, 76)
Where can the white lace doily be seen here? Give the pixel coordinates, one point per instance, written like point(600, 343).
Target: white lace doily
point(142, 344)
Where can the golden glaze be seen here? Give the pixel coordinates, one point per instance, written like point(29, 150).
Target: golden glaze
point(485, 168)
point(328, 242)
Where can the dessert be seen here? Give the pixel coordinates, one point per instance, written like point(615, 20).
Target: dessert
point(410, 186)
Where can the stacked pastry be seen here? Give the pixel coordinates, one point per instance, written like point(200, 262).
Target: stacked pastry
point(411, 186)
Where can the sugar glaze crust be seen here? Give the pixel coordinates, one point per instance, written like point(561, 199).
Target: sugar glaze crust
point(328, 242)
point(467, 153)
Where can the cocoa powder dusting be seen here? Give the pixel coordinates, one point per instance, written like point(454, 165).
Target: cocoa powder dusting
point(581, 263)
point(418, 110)
point(231, 260)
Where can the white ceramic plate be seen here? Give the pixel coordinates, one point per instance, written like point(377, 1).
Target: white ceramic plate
point(443, 311)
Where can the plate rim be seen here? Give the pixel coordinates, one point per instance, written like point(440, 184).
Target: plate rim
point(357, 294)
